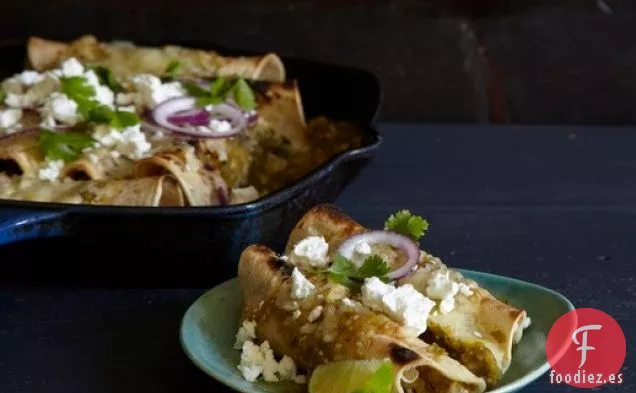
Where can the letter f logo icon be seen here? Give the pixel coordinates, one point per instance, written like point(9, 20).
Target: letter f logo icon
point(583, 346)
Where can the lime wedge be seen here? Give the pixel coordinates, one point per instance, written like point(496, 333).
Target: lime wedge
point(352, 376)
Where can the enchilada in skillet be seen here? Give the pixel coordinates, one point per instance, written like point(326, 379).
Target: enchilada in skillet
point(227, 130)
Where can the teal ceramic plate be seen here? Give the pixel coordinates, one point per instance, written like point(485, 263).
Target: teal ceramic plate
point(209, 328)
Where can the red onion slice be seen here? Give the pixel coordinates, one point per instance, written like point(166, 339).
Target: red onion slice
point(162, 113)
point(194, 117)
point(404, 243)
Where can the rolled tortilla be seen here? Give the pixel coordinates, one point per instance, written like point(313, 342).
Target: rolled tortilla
point(20, 154)
point(124, 59)
point(149, 191)
point(199, 184)
point(479, 332)
point(342, 332)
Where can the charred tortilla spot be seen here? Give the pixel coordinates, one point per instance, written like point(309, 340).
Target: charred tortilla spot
point(499, 336)
point(10, 167)
point(428, 337)
point(78, 175)
point(402, 355)
point(275, 263)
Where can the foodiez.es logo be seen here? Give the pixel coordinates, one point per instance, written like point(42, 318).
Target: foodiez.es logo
point(586, 348)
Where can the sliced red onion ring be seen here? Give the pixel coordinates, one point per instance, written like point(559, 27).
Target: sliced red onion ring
point(162, 113)
point(404, 243)
point(194, 117)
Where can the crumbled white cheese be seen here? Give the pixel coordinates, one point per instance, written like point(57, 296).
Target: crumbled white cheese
point(296, 314)
point(71, 67)
point(252, 359)
point(103, 94)
point(219, 125)
point(257, 360)
point(314, 249)
point(61, 108)
point(50, 170)
point(270, 365)
point(287, 369)
point(152, 92)
point(10, 117)
point(29, 77)
point(301, 287)
point(315, 314)
point(403, 304)
point(442, 288)
point(130, 142)
point(246, 332)
point(477, 334)
point(135, 145)
point(363, 248)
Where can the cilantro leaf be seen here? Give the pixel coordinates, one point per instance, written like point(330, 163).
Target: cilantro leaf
point(219, 91)
point(373, 266)
point(124, 119)
point(381, 381)
point(342, 266)
point(65, 146)
point(220, 87)
point(195, 90)
point(79, 90)
point(208, 100)
point(106, 77)
point(243, 95)
point(407, 224)
point(116, 119)
point(172, 69)
point(344, 272)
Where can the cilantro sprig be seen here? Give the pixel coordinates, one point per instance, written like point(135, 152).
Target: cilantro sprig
point(407, 224)
point(172, 69)
point(346, 273)
point(65, 146)
point(79, 90)
point(220, 90)
point(106, 77)
point(103, 114)
point(381, 381)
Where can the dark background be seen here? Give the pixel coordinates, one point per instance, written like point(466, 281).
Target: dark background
point(567, 61)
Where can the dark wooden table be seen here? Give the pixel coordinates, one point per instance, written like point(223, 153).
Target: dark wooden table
point(554, 206)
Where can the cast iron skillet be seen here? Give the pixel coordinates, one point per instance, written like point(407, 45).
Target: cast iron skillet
point(214, 235)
